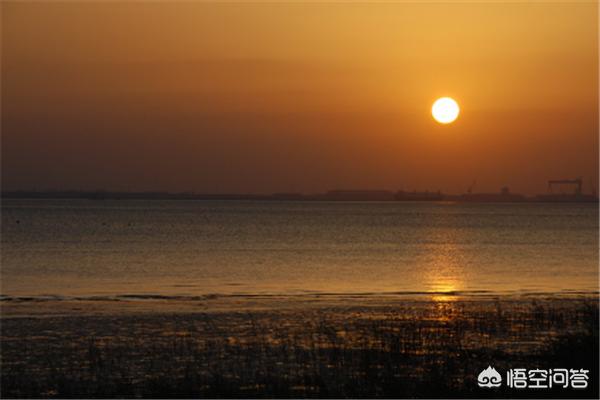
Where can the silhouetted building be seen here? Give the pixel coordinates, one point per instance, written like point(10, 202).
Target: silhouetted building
point(288, 196)
point(359, 195)
point(503, 196)
point(419, 196)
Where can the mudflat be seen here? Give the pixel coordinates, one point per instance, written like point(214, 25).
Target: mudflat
point(428, 346)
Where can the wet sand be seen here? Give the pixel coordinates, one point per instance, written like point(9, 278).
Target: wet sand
point(370, 346)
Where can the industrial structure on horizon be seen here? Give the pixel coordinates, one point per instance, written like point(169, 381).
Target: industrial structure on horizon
point(575, 195)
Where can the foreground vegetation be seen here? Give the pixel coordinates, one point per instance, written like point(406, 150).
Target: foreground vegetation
point(427, 348)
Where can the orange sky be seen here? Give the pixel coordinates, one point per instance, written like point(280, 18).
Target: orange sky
point(304, 96)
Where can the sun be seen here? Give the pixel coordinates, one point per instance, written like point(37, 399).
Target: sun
point(445, 110)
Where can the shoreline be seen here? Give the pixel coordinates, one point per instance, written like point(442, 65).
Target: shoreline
point(480, 198)
point(52, 306)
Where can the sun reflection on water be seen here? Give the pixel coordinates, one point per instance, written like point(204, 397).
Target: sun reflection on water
point(444, 273)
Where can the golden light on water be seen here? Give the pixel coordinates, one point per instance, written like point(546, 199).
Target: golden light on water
point(445, 110)
point(444, 275)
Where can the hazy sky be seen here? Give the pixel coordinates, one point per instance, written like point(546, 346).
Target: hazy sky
point(305, 96)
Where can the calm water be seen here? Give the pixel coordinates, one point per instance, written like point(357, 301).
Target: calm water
point(78, 248)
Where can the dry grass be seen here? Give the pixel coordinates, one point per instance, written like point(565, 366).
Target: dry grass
point(405, 349)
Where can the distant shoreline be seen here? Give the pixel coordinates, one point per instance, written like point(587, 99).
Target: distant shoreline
point(334, 195)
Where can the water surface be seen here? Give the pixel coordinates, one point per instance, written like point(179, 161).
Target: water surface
point(134, 249)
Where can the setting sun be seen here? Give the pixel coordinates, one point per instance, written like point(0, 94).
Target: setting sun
point(445, 110)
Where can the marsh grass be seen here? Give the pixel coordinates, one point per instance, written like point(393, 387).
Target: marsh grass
point(403, 349)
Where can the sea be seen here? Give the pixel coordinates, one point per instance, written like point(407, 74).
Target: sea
point(176, 249)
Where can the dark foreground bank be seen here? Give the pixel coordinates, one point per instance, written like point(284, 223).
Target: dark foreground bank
point(433, 347)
